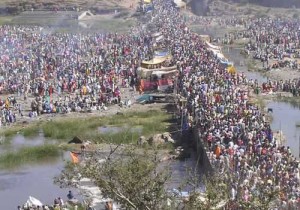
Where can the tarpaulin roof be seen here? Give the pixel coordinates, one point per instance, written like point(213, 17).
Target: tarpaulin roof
point(180, 3)
point(154, 61)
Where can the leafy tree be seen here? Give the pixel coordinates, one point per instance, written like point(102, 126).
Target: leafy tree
point(134, 178)
point(130, 178)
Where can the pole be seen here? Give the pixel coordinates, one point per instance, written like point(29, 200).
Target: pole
point(181, 119)
point(280, 133)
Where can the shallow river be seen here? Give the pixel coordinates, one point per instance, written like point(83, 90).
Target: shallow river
point(37, 180)
point(31, 180)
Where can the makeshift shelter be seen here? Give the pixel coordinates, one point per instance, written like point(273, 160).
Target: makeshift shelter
point(156, 62)
point(75, 140)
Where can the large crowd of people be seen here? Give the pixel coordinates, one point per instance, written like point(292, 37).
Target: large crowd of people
point(239, 139)
point(64, 72)
point(273, 41)
point(61, 73)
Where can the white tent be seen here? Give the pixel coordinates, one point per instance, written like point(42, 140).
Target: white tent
point(209, 45)
point(180, 3)
point(32, 202)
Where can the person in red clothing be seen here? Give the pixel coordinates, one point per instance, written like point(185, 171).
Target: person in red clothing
point(218, 150)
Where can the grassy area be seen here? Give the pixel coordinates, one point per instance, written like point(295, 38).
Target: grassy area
point(130, 126)
point(29, 155)
point(5, 20)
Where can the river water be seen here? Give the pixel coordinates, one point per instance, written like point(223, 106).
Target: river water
point(31, 180)
point(37, 179)
point(285, 118)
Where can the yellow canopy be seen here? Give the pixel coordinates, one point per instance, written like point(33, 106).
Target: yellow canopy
point(155, 60)
point(231, 70)
point(147, 1)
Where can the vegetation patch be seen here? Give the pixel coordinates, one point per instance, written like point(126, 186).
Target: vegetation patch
point(130, 126)
point(29, 155)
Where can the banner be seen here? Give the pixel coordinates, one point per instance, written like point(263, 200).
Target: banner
point(151, 85)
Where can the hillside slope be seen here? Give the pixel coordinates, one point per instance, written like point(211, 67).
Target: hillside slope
point(97, 6)
point(270, 3)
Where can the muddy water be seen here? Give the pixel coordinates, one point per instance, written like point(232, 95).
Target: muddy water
point(31, 180)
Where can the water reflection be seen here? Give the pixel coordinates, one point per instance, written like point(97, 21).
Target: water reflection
point(285, 117)
point(19, 141)
point(32, 180)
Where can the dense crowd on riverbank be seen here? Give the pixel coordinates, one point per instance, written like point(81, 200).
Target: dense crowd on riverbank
point(274, 42)
point(239, 139)
point(62, 73)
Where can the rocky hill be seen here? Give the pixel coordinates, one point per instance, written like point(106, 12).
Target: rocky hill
point(270, 3)
point(96, 6)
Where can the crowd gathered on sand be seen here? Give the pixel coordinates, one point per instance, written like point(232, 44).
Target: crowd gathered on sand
point(64, 72)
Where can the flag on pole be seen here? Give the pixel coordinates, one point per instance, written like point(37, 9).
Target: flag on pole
point(74, 156)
